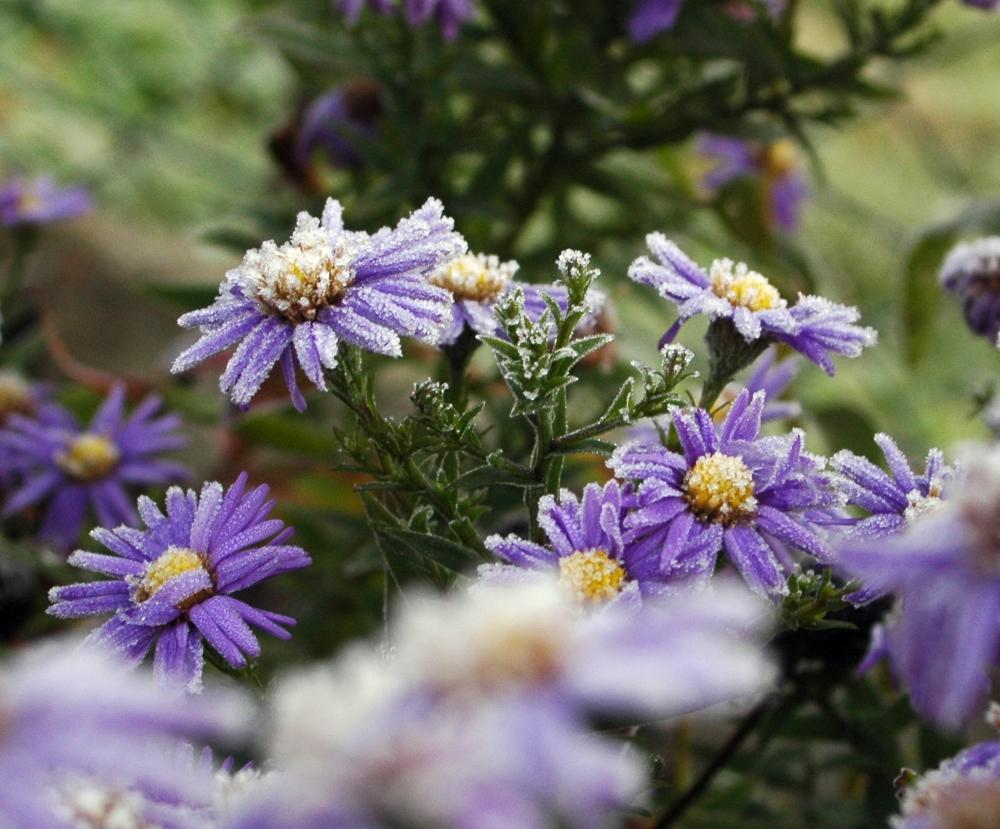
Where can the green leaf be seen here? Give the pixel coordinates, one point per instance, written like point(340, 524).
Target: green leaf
point(448, 554)
point(290, 433)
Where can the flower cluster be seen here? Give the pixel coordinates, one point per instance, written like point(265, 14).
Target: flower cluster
point(477, 716)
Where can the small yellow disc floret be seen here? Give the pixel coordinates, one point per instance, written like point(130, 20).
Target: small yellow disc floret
point(15, 396)
point(478, 278)
point(89, 457)
point(171, 563)
point(742, 287)
point(591, 575)
point(720, 489)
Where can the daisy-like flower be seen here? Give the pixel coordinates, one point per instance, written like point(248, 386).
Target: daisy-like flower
point(586, 548)
point(944, 634)
point(730, 490)
point(172, 582)
point(814, 326)
point(40, 201)
point(961, 793)
point(971, 271)
point(774, 166)
point(71, 468)
point(71, 714)
point(293, 303)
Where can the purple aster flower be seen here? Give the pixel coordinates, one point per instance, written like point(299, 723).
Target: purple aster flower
point(650, 17)
point(294, 303)
point(945, 571)
point(730, 490)
point(71, 468)
point(971, 271)
point(72, 713)
point(172, 583)
point(893, 500)
point(477, 281)
point(774, 166)
point(988, 5)
point(961, 793)
point(814, 326)
point(338, 122)
point(586, 548)
point(40, 201)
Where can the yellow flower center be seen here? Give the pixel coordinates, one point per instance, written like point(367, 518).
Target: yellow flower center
point(15, 396)
point(516, 654)
point(89, 457)
point(740, 286)
point(301, 292)
point(171, 563)
point(720, 489)
point(591, 575)
point(780, 158)
point(478, 278)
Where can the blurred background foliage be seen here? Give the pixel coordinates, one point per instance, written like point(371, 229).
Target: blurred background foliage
point(542, 132)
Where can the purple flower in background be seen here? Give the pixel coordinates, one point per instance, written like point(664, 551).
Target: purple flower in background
point(337, 122)
point(814, 326)
point(587, 548)
point(450, 14)
point(650, 17)
point(294, 303)
point(70, 713)
point(172, 583)
point(774, 165)
point(40, 201)
point(945, 570)
point(971, 271)
point(729, 490)
point(69, 467)
point(961, 793)
point(989, 5)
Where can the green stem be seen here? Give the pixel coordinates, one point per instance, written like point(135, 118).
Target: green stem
point(457, 356)
point(716, 765)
